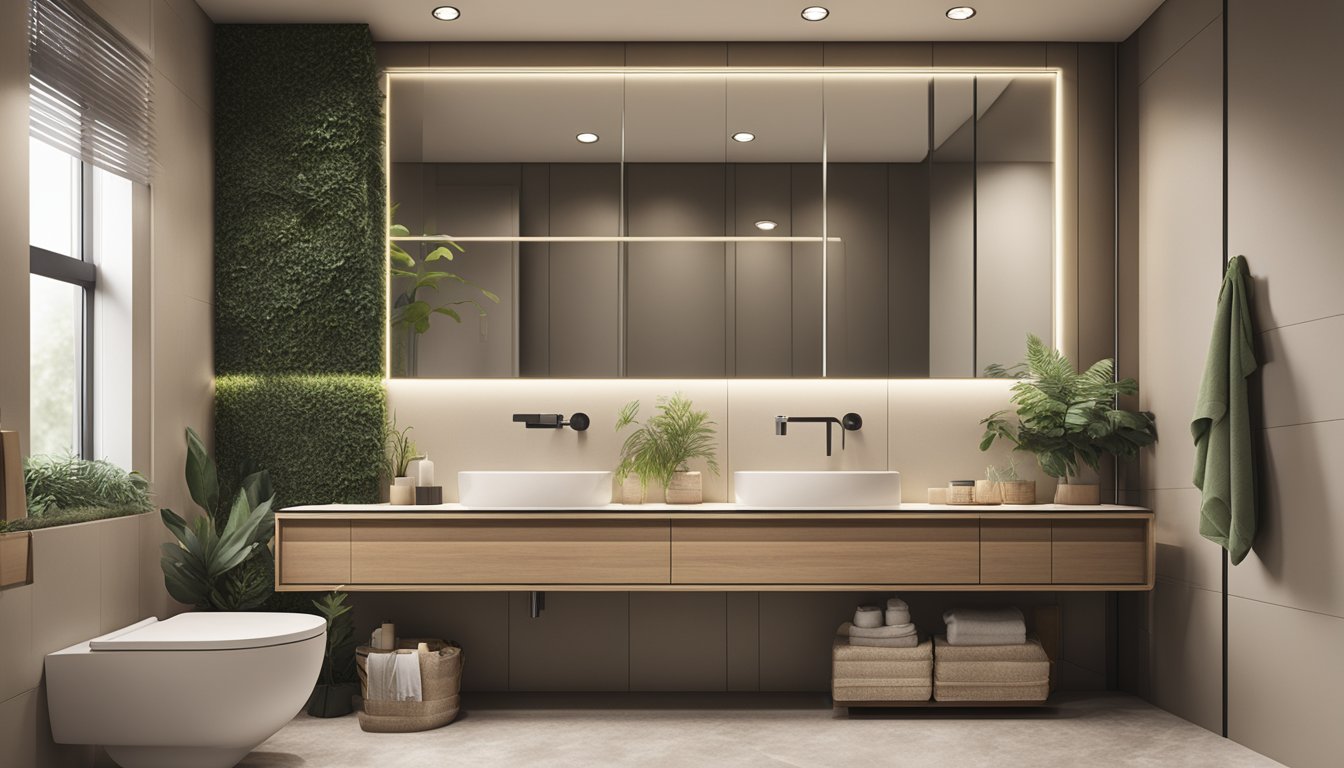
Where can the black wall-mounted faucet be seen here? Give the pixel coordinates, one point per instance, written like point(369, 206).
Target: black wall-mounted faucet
point(851, 422)
point(578, 422)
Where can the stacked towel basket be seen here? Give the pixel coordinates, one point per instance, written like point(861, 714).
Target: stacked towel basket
point(440, 683)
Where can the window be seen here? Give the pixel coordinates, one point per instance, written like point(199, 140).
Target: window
point(90, 122)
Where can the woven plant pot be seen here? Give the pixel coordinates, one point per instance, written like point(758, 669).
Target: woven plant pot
point(1084, 494)
point(685, 488)
point(1018, 492)
point(988, 492)
point(633, 490)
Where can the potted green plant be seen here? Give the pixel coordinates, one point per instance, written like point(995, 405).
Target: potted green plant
point(397, 458)
point(334, 694)
point(220, 561)
point(1069, 420)
point(663, 446)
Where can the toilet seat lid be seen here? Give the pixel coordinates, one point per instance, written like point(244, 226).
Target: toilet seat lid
point(212, 632)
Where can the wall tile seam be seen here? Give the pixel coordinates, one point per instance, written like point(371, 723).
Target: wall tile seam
point(1215, 20)
point(20, 694)
point(1309, 321)
point(172, 80)
point(1268, 427)
point(1169, 581)
point(1249, 599)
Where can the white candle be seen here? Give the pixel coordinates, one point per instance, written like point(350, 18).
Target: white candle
point(425, 472)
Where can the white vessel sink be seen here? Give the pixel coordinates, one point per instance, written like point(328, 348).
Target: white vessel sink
point(534, 489)
point(817, 490)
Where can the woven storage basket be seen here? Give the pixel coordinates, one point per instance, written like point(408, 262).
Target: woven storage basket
point(440, 683)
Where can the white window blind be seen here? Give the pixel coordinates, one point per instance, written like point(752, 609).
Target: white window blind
point(90, 91)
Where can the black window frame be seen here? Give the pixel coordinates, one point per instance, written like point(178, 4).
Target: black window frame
point(79, 270)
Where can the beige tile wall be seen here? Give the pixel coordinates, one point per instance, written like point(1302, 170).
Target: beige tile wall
point(96, 577)
point(1286, 610)
point(1171, 247)
point(1286, 600)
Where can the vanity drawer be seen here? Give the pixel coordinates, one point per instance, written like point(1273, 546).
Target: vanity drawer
point(313, 552)
point(825, 552)
point(525, 553)
point(1100, 552)
point(1015, 551)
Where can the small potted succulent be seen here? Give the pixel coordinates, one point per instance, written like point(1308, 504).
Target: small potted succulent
point(1003, 484)
point(1067, 419)
point(334, 694)
point(663, 446)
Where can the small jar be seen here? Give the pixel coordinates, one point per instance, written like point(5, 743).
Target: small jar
point(961, 492)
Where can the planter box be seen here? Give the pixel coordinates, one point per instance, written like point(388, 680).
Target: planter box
point(16, 563)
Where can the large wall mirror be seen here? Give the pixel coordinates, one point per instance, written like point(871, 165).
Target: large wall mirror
point(719, 223)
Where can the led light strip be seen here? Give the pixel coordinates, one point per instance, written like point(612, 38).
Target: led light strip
point(1054, 73)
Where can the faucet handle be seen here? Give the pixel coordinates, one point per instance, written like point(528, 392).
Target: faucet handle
point(579, 422)
point(852, 422)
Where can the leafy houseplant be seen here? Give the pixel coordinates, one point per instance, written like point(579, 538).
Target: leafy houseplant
point(220, 561)
point(663, 446)
point(397, 457)
point(336, 686)
point(411, 312)
point(64, 490)
point(1068, 419)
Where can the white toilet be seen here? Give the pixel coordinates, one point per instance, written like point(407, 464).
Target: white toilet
point(199, 689)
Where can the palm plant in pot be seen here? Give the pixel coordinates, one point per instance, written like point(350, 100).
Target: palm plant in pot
point(333, 696)
point(663, 446)
point(1069, 420)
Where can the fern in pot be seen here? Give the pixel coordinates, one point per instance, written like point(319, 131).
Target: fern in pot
point(1068, 420)
point(661, 448)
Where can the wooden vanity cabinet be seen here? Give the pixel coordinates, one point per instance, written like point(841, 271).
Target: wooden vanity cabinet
point(662, 549)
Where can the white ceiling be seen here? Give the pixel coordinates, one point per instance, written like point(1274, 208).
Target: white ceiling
point(733, 20)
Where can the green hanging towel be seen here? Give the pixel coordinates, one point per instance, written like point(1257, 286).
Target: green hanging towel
point(1224, 466)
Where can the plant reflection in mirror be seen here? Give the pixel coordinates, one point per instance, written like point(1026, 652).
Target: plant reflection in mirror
point(411, 311)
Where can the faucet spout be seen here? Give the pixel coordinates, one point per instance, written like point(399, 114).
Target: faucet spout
point(852, 422)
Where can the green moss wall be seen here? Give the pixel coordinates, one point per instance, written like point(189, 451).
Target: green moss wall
point(299, 259)
point(299, 201)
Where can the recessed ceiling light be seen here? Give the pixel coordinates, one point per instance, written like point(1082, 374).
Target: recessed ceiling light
point(587, 138)
point(815, 13)
point(446, 13)
point(765, 225)
point(744, 136)
point(960, 13)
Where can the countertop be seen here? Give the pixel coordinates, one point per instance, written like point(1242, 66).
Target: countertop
point(716, 508)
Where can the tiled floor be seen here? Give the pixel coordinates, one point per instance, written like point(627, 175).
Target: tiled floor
point(801, 731)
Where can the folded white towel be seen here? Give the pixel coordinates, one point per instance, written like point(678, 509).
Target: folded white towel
point(868, 616)
point(900, 630)
point(909, 641)
point(394, 676)
point(975, 618)
point(965, 639)
point(897, 616)
point(896, 602)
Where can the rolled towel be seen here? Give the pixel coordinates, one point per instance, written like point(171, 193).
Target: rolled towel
point(900, 630)
point(868, 616)
point(895, 616)
point(896, 602)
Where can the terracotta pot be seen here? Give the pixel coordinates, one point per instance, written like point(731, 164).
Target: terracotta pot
point(1018, 491)
point(633, 490)
point(685, 488)
point(1078, 493)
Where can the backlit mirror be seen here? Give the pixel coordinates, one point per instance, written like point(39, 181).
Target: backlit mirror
point(709, 224)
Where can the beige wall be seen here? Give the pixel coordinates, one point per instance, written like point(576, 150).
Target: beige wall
point(1285, 603)
point(1172, 72)
point(96, 577)
point(1286, 194)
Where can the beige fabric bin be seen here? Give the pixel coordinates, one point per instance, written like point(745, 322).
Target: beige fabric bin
point(440, 683)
